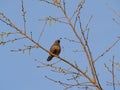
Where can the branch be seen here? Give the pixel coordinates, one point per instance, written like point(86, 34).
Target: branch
point(50, 19)
point(13, 40)
point(94, 73)
point(118, 23)
point(84, 48)
point(24, 49)
point(55, 2)
point(23, 14)
point(9, 22)
point(69, 85)
point(42, 31)
point(113, 74)
point(107, 50)
point(79, 7)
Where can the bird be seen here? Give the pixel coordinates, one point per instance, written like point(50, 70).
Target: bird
point(54, 49)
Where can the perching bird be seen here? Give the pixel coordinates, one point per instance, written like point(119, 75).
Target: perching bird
point(55, 49)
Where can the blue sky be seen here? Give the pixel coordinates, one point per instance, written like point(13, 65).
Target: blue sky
point(18, 71)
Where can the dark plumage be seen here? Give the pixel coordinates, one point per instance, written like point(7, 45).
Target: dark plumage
point(55, 49)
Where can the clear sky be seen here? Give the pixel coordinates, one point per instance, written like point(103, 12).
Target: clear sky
point(18, 71)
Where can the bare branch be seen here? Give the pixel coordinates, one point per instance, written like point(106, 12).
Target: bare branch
point(43, 29)
point(24, 49)
point(74, 71)
point(118, 23)
point(88, 51)
point(55, 2)
point(107, 50)
point(50, 19)
point(114, 11)
point(47, 2)
point(113, 74)
point(70, 40)
point(38, 45)
point(79, 7)
point(13, 40)
point(69, 85)
point(23, 14)
point(108, 69)
point(64, 5)
point(84, 48)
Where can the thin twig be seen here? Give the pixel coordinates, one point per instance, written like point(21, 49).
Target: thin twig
point(79, 7)
point(107, 67)
point(31, 34)
point(54, 19)
point(89, 51)
point(38, 45)
point(70, 85)
point(83, 46)
point(71, 40)
point(24, 49)
point(86, 27)
point(61, 83)
point(13, 40)
point(47, 2)
point(113, 74)
point(107, 50)
point(23, 14)
point(118, 23)
point(43, 29)
point(114, 11)
point(55, 2)
point(8, 33)
point(64, 5)
point(76, 19)
point(45, 64)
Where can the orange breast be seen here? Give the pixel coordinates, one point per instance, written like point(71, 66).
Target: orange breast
point(55, 49)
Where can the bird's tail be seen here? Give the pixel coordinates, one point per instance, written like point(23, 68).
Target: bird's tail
point(49, 58)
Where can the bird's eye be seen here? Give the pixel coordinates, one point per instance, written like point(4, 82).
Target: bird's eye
point(58, 41)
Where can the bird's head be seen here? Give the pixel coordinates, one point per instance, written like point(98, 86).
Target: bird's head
point(57, 41)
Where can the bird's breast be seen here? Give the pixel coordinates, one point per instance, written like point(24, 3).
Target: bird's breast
point(55, 49)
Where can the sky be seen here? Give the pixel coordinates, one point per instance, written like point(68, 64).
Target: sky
point(18, 71)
